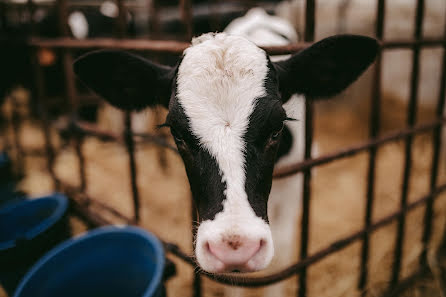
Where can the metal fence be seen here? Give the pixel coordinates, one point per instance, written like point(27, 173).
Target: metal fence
point(78, 130)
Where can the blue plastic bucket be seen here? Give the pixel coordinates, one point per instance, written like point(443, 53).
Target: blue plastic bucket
point(28, 229)
point(106, 262)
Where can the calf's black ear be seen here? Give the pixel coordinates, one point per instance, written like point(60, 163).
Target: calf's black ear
point(327, 67)
point(126, 81)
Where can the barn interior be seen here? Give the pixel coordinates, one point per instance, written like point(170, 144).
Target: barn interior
point(374, 211)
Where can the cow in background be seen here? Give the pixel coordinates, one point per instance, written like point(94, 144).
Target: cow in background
point(358, 17)
point(16, 60)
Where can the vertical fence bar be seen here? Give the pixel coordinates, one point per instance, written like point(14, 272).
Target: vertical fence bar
point(130, 145)
point(411, 120)
point(3, 16)
point(70, 91)
point(31, 9)
point(15, 124)
point(310, 13)
point(436, 143)
point(186, 16)
point(197, 279)
point(62, 12)
point(154, 18)
point(128, 133)
point(374, 130)
point(121, 20)
point(39, 93)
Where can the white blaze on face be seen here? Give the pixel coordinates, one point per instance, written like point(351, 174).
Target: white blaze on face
point(219, 81)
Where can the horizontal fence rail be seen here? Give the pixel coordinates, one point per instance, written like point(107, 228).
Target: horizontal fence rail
point(287, 272)
point(177, 47)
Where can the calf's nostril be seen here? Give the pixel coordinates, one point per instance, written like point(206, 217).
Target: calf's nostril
point(234, 252)
point(234, 244)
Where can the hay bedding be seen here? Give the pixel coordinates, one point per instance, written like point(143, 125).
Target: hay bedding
point(337, 205)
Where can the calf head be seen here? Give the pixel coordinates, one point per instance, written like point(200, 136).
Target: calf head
point(225, 101)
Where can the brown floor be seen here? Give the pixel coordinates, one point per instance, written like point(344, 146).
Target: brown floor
point(337, 205)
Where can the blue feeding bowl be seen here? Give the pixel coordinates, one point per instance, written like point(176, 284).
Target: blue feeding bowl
point(28, 229)
point(106, 262)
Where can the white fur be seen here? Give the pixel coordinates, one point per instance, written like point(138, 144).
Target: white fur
point(219, 80)
point(286, 194)
point(78, 25)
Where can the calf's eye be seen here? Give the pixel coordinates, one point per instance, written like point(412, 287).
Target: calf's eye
point(276, 134)
point(178, 139)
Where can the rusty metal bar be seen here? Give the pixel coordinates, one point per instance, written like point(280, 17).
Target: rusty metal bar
point(38, 92)
point(93, 130)
point(353, 150)
point(316, 257)
point(62, 12)
point(83, 212)
point(121, 22)
point(425, 42)
point(132, 165)
point(154, 18)
point(87, 3)
point(310, 13)
point(78, 143)
point(185, 7)
point(197, 281)
point(162, 157)
point(177, 47)
point(159, 46)
point(373, 133)
point(15, 125)
point(97, 219)
point(436, 146)
point(31, 9)
point(411, 120)
point(406, 283)
point(88, 201)
point(70, 88)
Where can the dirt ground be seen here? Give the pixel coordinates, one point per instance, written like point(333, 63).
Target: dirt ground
point(337, 201)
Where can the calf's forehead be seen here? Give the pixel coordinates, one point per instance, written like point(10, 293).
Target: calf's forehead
point(219, 81)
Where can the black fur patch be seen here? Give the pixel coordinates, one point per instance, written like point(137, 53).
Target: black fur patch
point(261, 146)
point(202, 169)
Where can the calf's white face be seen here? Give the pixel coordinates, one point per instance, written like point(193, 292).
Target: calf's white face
point(225, 112)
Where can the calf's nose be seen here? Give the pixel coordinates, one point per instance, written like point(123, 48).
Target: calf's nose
point(235, 251)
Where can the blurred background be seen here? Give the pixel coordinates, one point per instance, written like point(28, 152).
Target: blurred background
point(379, 146)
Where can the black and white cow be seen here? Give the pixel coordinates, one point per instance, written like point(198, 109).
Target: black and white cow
point(15, 58)
point(225, 101)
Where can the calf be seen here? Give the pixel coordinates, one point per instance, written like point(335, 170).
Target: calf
point(225, 100)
